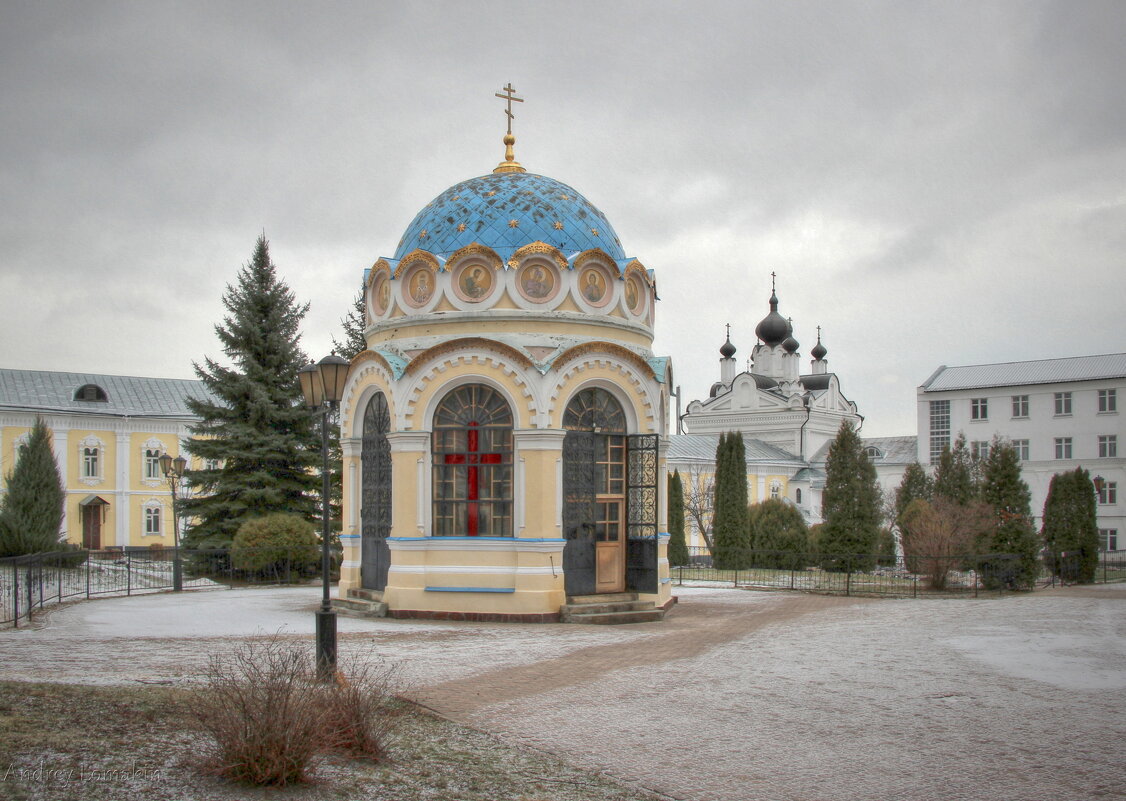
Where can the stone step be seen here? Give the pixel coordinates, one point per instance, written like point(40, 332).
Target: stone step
point(617, 618)
point(603, 598)
point(620, 606)
point(366, 595)
point(359, 607)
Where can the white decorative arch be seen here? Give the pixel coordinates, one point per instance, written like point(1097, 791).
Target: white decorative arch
point(571, 380)
point(97, 476)
point(418, 420)
point(367, 378)
point(151, 444)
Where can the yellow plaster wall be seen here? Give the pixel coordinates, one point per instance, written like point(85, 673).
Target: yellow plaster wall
point(429, 326)
point(540, 493)
point(439, 383)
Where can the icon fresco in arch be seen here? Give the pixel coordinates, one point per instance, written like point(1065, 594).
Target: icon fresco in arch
point(420, 287)
point(592, 284)
point(633, 294)
point(381, 295)
point(475, 282)
point(537, 282)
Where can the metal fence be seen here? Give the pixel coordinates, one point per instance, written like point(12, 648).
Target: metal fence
point(36, 581)
point(863, 574)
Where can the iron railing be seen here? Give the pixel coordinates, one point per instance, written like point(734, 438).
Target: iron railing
point(863, 574)
point(32, 582)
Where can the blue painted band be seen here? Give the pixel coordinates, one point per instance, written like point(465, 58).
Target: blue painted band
point(471, 589)
point(473, 539)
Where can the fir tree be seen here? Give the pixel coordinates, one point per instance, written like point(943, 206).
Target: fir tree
point(31, 512)
point(353, 324)
point(1010, 544)
point(255, 424)
point(778, 534)
point(730, 536)
point(915, 484)
point(678, 548)
point(850, 505)
point(1070, 529)
point(956, 477)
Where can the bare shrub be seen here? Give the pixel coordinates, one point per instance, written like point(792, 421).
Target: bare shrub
point(939, 537)
point(271, 720)
point(363, 710)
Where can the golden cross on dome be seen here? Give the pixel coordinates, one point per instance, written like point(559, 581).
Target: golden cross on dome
point(509, 97)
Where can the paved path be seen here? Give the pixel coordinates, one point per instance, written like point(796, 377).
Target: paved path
point(737, 696)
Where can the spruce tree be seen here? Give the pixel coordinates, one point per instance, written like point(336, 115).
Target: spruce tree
point(1070, 530)
point(31, 512)
point(678, 547)
point(254, 424)
point(730, 535)
point(915, 484)
point(779, 536)
point(353, 324)
point(1010, 545)
point(850, 505)
point(956, 477)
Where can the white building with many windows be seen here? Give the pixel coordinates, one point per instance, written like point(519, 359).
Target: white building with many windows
point(1059, 414)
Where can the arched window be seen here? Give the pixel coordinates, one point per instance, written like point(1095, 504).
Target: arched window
point(375, 494)
point(797, 495)
point(775, 489)
point(91, 392)
point(472, 450)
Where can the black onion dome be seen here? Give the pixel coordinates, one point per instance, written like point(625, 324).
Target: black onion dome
point(727, 350)
point(790, 345)
point(819, 351)
point(773, 328)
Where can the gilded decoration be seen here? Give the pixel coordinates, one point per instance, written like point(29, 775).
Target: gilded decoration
point(635, 295)
point(606, 348)
point(474, 249)
point(541, 248)
point(414, 257)
point(588, 256)
point(380, 293)
point(467, 344)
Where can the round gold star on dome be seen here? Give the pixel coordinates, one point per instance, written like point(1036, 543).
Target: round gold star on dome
point(594, 232)
point(490, 193)
point(513, 223)
point(424, 234)
point(558, 226)
point(460, 227)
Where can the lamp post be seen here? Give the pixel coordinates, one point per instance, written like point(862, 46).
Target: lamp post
point(174, 471)
point(322, 384)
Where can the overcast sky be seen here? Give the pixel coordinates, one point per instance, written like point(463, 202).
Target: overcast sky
point(933, 183)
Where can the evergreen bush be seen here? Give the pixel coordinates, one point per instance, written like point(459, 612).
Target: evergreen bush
point(730, 535)
point(265, 544)
point(850, 506)
point(1070, 531)
point(31, 510)
point(678, 547)
point(778, 534)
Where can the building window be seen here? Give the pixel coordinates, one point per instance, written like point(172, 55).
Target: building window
point(940, 428)
point(152, 464)
point(212, 464)
point(472, 451)
point(1020, 406)
point(1108, 446)
point(152, 520)
point(775, 489)
point(797, 496)
point(1063, 403)
point(980, 449)
point(1108, 539)
point(91, 392)
point(1063, 447)
point(873, 453)
point(1108, 401)
point(1108, 493)
point(979, 409)
point(1021, 447)
point(90, 462)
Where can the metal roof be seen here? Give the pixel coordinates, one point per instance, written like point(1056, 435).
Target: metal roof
point(1041, 371)
point(127, 396)
point(894, 450)
point(702, 447)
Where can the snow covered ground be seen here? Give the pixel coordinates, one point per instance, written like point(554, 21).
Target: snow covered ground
point(737, 695)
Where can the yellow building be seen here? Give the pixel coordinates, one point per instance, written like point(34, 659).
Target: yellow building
point(108, 433)
point(503, 432)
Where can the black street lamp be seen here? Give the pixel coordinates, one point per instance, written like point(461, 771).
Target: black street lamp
point(174, 471)
point(322, 384)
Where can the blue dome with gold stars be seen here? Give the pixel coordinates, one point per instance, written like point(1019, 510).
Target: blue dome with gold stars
point(507, 210)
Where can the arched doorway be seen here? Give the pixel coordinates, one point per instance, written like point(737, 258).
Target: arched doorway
point(375, 509)
point(594, 493)
point(472, 464)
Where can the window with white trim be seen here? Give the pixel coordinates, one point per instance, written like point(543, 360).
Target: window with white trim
point(1108, 539)
point(1020, 406)
point(1108, 401)
point(1108, 446)
point(775, 489)
point(979, 409)
point(1108, 493)
point(152, 464)
point(152, 520)
point(90, 461)
point(1063, 403)
point(1063, 447)
point(1021, 447)
point(980, 449)
point(940, 428)
point(797, 496)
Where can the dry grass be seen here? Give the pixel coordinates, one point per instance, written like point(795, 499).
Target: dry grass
point(60, 742)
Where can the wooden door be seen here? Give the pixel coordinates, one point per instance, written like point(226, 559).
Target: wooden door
point(92, 527)
point(610, 547)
